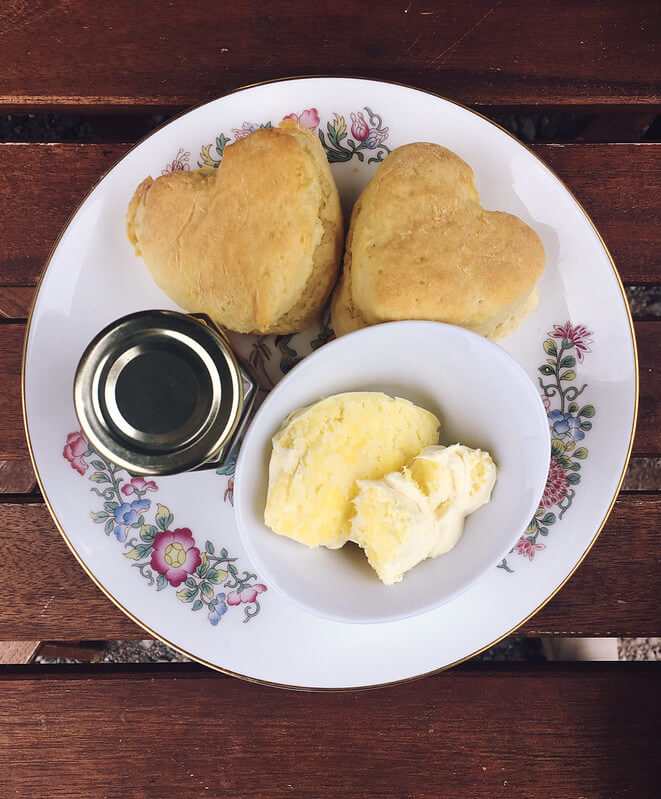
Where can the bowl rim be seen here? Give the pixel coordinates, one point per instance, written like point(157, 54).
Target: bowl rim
point(253, 551)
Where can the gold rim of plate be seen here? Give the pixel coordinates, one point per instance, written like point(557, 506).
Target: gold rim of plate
point(214, 666)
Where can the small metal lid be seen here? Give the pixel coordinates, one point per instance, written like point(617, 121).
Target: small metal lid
point(160, 392)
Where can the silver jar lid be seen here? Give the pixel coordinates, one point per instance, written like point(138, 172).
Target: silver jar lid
point(160, 392)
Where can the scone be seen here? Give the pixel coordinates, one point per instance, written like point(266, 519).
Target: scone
point(321, 451)
point(420, 246)
point(254, 244)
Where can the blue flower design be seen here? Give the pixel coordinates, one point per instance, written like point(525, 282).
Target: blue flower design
point(575, 427)
point(218, 608)
point(375, 138)
point(127, 514)
point(563, 423)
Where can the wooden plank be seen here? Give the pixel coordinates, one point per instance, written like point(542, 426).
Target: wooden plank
point(615, 592)
point(133, 54)
point(616, 183)
point(15, 301)
point(45, 183)
point(547, 730)
point(18, 651)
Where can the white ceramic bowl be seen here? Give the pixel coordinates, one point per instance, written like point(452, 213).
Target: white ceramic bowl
point(483, 399)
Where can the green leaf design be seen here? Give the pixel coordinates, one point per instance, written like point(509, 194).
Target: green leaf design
point(531, 528)
point(568, 375)
point(549, 518)
point(564, 462)
point(338, 156)
point(109, 526)
point(110, 506)
point(206, 589)
point(98, 465)
point(221, 141)
point(557, 447)
point(567, 362)
point(587, 411)
point(575, 466)
point(546, 370)
point(197, 605)
point(161, 582)
point(586, 426)
point(144, 550)
point(209, 548)
point(219, 575)
point(163, 517)
point(581, 453)
point(573, 478)
point(549, 347)
point(187, 596)
point(148, 533)
point(99, 477)
point(573, 407)
point(204, 565)
point(190, 582)
point(98, 517)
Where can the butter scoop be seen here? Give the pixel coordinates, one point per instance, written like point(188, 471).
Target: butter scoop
point(419, 512)
point(322, 450)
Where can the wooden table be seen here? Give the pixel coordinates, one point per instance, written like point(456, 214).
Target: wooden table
point(482, 730)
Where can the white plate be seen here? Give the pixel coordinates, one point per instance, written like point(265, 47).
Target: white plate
point(395, 358)
point(93, 277)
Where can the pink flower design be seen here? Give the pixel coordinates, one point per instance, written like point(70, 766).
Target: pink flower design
point(546, 402)
point(577, 335)
point(228, 495)
point(306, 119)
point(556, 486)
point(524, 546)
point(247, 595)
point(359, 128)
point(178, 164)
point(139, 484)
point(244, 130)
point(175, 555)
point(76, 446)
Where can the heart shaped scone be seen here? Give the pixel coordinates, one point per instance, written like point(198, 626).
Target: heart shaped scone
point(256, 243)
point(420, 246)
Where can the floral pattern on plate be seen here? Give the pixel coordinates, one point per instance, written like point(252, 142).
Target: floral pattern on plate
point(165, 555)
point(341, 140)
point(569, 422)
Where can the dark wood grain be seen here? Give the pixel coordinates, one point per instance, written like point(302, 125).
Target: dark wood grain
point(479, 732)
point(617, 184)
point(164, 55)
point(615, 592)
point(16, 474)
point(15, 301)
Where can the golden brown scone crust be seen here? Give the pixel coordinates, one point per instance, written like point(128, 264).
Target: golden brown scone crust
point(256, 243)
point(420, 246)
